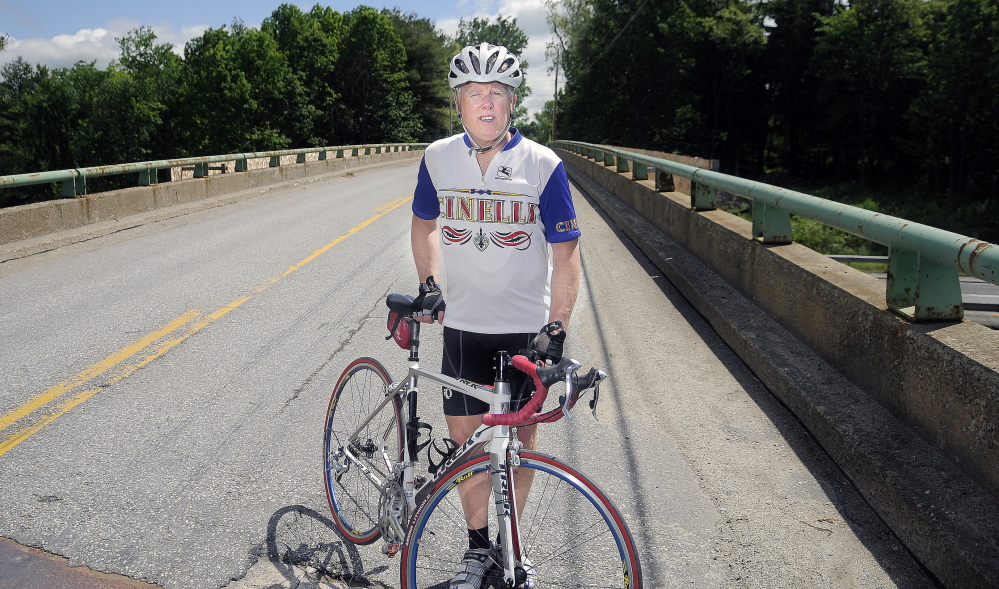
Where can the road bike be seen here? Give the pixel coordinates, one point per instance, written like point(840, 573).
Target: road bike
point(567, 534)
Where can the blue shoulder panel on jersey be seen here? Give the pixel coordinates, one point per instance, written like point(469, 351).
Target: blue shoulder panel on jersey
point(425, 203)
point(557, 212)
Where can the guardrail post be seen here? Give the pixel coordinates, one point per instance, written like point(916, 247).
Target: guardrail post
point(275, 161)
point(608, 158)
point(69, 188)
point(367, 151)
point(639, 171)
point(921, 290)
point(354, 152)
point(664, 181)
point(622, 165)
point(300, 158)
point(200, 170)
point(241, 164)
point(771, 225)
point(322, 155)
point(703, 197)
point(147, 177)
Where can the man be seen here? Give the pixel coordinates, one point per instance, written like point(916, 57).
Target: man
point(498, 207)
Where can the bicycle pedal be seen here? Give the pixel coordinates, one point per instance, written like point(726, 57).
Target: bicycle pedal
point(390, 549)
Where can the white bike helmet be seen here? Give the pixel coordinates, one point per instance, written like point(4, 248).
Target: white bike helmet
point(485, 63)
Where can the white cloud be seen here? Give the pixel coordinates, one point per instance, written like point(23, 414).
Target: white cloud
point(88, 45)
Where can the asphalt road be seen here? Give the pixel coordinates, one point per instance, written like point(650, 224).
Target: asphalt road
point(163, 389)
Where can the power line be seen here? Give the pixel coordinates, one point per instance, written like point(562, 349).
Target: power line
point(606, 49)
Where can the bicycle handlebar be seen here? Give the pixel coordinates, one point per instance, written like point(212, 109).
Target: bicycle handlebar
point(544, 377)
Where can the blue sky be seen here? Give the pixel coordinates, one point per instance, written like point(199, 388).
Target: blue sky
point(58, 33)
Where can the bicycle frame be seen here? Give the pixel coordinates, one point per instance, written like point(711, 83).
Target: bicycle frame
point(500, 445)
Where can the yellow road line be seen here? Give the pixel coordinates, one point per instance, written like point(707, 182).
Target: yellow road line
point(112, 361)
point(95, 370)
point(382, 211)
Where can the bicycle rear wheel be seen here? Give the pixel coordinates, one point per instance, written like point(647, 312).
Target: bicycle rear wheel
point(570, 532)
point(352, 497)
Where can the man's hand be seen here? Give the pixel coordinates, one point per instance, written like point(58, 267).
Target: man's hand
point(549, 342)
point(429, 305)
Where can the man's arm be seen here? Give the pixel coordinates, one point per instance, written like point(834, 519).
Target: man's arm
point(426, 253)
point(565, 280)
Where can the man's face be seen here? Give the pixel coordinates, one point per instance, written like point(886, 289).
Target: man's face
point(485, 110)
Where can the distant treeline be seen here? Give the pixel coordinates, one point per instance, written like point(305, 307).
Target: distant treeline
point(899, 97)
point(317, 78)
point(893, 101)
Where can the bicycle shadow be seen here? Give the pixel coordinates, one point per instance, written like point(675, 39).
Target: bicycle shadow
point(300, 536)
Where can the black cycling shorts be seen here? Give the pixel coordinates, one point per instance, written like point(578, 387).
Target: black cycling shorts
point(471, 356)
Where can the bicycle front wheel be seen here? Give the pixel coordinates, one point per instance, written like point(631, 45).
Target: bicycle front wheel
point(570, 532)
point(353, 498)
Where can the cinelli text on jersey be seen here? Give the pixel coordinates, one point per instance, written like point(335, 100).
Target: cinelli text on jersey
point(486, 210)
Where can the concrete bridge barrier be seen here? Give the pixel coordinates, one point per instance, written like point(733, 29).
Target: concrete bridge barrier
point(909, 411)
point(46, 218)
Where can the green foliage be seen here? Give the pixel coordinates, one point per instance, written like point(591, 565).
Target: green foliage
point(311, 41)
point(377, 104)
point(428, 53)
point(895, 96)
point(875, 54)
point(955, 115)
point(232, 92)
point(302, 79)
point(540, 129)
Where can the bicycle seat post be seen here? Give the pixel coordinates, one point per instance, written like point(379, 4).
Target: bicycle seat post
point(414, 343)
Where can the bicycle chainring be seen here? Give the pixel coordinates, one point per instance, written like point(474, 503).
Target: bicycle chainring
point(393, 513)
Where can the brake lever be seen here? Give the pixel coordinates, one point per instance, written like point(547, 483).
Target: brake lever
point(569, 373)
point(601, 375)
point(596, 398)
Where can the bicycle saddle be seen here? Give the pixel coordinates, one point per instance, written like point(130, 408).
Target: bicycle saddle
point(401, 304)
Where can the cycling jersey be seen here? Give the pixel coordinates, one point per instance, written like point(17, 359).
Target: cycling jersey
point(495, 230)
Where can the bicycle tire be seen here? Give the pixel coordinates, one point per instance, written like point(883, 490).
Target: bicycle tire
point(353, 499)
point(571, 532)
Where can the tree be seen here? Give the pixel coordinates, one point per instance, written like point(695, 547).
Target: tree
point(125, 119)
point(146, 80)
point(377, 104)
point(629, 75)
point(871, 61)
point(540, 129)
point(955, 114)
point(791, 83)
point(428, 54)
point(311, 42)
point(234, 96)
point(727, 72)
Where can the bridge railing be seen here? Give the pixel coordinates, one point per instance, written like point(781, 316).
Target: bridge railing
point(74, 181)
point(924, 263)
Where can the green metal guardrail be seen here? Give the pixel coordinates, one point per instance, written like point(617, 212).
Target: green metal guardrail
point(74, 182)
point(924, 262)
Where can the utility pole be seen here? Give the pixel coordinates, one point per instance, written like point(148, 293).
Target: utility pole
point(555, 102)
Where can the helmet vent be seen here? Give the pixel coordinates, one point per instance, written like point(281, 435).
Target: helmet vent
point(507, 64)
point(461, 65)
point(475, 63)
point(491, 62)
